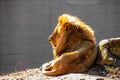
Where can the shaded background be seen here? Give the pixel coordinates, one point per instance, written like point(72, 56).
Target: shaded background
point(26, 24)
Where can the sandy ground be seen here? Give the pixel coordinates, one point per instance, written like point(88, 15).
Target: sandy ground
point(35, 74)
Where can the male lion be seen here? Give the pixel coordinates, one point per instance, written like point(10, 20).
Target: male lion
point(73, 45)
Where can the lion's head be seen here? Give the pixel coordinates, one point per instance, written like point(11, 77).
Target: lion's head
point(69, 32)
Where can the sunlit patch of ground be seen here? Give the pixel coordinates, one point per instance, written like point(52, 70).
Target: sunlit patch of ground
point(95, 73)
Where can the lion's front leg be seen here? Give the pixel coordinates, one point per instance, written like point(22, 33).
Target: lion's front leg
point(46, 66)
point(62, 65)
point(55, 68)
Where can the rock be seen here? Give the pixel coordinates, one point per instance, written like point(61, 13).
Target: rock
point(35, 74)
point(109, 51)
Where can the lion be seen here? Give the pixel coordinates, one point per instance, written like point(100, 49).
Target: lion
point(74, 48)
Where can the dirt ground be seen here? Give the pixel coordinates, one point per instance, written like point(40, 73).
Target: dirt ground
point(95, 73)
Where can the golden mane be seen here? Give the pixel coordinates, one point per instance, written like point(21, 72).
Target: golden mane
point(87, 31)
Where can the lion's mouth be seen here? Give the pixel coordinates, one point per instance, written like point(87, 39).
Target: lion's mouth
point(53, 45)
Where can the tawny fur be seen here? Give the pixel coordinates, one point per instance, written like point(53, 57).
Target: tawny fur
point(73, 45)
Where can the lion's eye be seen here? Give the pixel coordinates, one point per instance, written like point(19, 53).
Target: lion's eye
point(66, 28)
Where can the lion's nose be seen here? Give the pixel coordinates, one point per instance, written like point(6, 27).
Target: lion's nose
point(50, 38)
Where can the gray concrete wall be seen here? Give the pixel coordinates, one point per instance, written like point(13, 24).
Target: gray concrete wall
point(26, 24)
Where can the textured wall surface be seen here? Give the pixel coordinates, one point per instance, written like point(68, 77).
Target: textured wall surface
point(26, 24)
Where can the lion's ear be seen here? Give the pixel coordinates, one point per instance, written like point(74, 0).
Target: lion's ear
point(63, 19)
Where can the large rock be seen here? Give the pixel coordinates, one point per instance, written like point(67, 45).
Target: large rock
point(109, 51)
point(35, 74)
